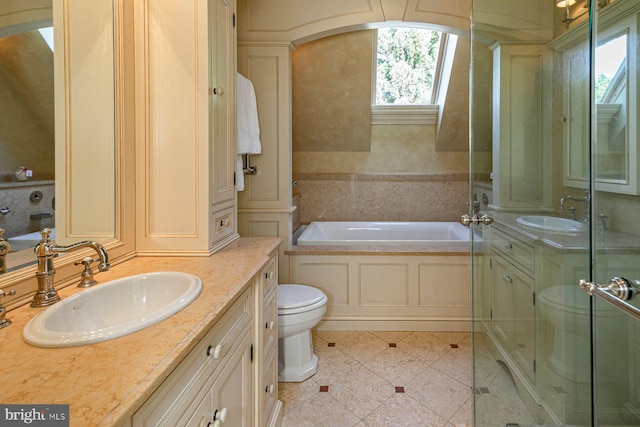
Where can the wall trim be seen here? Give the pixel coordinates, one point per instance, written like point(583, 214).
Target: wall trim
point(321, 176)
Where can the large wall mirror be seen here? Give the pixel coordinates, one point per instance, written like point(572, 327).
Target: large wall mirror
point(616, 147)
point(58, 146)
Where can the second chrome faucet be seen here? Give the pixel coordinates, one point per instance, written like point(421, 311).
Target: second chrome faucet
point(45, 251)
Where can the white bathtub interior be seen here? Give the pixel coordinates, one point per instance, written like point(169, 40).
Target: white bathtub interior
point(27, 241)
point(384, 233)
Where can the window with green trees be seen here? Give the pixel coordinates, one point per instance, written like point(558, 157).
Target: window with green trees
point(406, 62)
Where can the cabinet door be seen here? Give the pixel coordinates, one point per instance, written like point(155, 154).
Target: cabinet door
point(202, 415)
point(502, 307)
point(524, 327)
point(232, 390)
point(222, 113)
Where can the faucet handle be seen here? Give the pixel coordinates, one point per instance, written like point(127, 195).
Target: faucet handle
point(4, 322)
point(87, 274)
point(46, 235)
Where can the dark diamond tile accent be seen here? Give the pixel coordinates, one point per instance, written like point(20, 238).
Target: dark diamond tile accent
point(454, 345)
point(324, 388)
point(484, 390)
point(559, 390)
point(399, 389)
point(393, 345)
point(331, 344)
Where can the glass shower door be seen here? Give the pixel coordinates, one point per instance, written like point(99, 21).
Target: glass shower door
point(616, 203)
point(555, 163)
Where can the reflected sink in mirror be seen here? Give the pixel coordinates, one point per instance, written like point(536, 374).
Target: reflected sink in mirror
point(112, 309)
point(552, 223)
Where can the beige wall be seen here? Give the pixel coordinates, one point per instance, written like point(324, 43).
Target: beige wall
point(26, 106)
point(349, 169)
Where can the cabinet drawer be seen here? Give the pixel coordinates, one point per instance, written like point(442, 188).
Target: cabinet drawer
point(516, 250)
point(223, 224)
point(270, 383)
point(270, 322)
point(269, 277)
point(177, 392)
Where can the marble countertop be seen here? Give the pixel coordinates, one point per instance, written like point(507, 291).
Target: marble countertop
point(105, 383)
point(608, 241)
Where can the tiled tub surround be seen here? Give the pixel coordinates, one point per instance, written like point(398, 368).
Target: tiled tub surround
point(15, 196)
point(388, 197)
point(106, 383)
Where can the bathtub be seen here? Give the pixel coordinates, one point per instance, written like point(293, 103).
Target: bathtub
point(28, 241)
point(385, 233)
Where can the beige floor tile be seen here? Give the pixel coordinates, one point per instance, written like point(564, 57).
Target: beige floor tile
point(322, 410)
point(424, 345)
point(391, 336)
point(332, 336)
point(293, 394)
point(333, 365)
point(438, 392)
point(464, 415)
point(402, 410)
point(456, 363)
point(362, 346)
point(362, 391)
point(396, 366)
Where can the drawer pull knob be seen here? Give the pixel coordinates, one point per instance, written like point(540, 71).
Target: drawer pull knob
point(507, 278)
point(220, 415)
point(270, 389)
point(214, 351)
point(508, 246)
point(269, 275)
point(270, 325)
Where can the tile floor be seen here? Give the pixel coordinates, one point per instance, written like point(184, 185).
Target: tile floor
point(368, 379)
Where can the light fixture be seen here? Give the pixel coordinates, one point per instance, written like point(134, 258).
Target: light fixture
point(565, 3)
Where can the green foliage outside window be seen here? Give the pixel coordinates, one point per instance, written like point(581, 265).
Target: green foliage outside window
point(406, 61)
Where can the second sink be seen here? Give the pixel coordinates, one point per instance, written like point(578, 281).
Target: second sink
point(552, 223)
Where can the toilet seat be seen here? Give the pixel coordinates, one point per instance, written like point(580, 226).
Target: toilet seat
point(294, 299)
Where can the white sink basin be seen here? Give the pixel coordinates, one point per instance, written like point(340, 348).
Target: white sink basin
point(552, 223)
point(113, 309)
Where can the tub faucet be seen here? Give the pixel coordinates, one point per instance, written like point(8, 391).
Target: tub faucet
point(45, 250)
point(586, 200)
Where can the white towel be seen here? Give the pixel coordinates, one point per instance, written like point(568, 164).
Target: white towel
point(248, 138)
point(248, 125)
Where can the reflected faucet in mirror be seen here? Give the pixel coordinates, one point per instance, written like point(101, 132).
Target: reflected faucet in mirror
point(45, 251)
point(4, 250)
point(586, 200)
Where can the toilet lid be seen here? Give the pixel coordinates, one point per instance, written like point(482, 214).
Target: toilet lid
point(295, 296)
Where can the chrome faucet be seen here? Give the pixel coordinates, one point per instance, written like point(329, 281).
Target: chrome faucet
point(586, 200)
point(45, 250)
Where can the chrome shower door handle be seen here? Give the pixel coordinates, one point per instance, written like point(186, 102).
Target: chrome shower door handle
point(617, 292)
point(467, 219)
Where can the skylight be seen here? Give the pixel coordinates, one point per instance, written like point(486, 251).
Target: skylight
point(406, 63)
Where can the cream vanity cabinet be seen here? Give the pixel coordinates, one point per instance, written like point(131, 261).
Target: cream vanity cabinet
point(268, 407)
point(185, 80)
point(214, 378)
point(513, 316)
point(521, 126)
point(616, 149)
point(230, 377)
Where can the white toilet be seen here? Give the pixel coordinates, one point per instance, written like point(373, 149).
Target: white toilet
point(300, 308)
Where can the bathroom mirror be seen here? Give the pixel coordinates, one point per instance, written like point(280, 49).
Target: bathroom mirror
point(61, 125)
point(616, 147)
point(611, 109)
